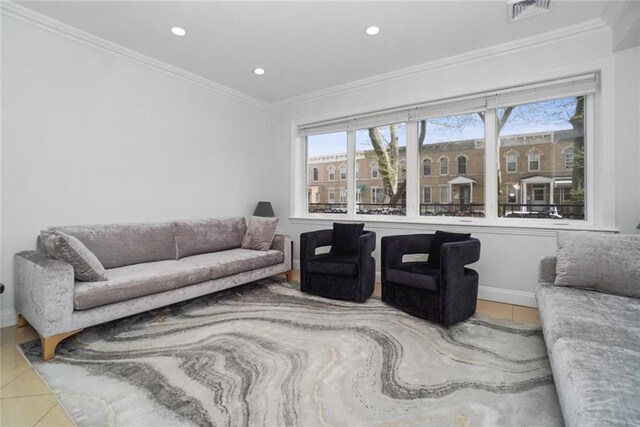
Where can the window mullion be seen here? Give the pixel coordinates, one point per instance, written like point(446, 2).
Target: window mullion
point(412, 176)
point(491, 164)
point(351, 172)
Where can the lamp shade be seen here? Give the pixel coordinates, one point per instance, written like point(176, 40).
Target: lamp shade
point(264, 209)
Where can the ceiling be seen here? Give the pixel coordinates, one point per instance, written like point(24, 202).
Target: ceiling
point(306, 46)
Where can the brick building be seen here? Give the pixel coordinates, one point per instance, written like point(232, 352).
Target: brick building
point(535, 171)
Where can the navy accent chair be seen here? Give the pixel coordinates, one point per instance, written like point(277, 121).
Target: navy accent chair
point(446, 293)
point(347, 277)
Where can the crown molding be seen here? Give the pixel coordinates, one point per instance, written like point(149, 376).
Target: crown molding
point(588, 27)
point(39, 20)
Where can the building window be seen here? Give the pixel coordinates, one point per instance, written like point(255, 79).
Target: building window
point(357, 170)
point(343, 195)
point(377, 195)
point(402, 174)
point(343, 172)
point(444, 166)
point(317, 197)
point(534, 161)
point(444, 194)
point(315, 174)
point(568, 158)
point(426, 167)
point(332, 173)
point(374, 170)
point(512, 162)
point(426, 194)
point(462, 165)
point(331, 195)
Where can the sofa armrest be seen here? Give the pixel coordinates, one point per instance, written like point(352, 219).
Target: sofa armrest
point(282, 243)
point(547, 270)
point(44, 291)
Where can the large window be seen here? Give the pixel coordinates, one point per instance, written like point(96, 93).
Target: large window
point(458, 137)
point(548, 134)
point(520, 152)
point(385, 148)
point(323, 152)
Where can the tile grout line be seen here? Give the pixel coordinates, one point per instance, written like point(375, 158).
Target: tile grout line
point(48, 412)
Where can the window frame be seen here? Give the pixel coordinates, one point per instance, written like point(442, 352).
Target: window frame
point(425, 160)
point(424, 199)
point(445, 164)
point(597, 179)
point(515, 163)
point(462, 157)
point(536, 153)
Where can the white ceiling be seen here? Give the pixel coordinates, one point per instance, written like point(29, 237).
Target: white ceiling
point(306, 46)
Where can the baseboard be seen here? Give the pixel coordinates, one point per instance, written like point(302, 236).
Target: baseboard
point(489, 293)
point(527, 299)
point(8, 317)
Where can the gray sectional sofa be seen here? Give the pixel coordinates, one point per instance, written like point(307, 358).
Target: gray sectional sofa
point(593, 337)
point(146, 266)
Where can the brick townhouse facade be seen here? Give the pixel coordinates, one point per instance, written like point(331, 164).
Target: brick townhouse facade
point(535, 169)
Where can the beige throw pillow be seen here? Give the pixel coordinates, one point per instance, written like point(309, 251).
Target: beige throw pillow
point(63, 247)
point(260, 233)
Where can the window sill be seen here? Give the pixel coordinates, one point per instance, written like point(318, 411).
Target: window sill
point(528, 227)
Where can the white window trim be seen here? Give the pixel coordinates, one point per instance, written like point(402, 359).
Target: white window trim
point(430, 201)
point(376, 169)
point(466, 164)
point(430, 166)
point(440, 166)
point(599, 108)
point(340, 168)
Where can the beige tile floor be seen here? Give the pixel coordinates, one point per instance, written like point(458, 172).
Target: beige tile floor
point(26, 401)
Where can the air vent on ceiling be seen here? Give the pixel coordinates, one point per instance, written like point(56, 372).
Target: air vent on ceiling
point(522, 9)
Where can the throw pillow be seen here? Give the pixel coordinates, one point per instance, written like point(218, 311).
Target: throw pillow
point(260, 233)
point(63, 247)
point(602, 262)
point(344, 239)
point(439, 239)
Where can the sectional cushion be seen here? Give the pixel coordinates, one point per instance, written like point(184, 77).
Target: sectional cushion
point(599, 261)
point(116, 245)
point(63, 247)
point(133, 281)
point(233, 261)
point(598, 385)
point(208, 235)
point(591, 316)
point(260, 233)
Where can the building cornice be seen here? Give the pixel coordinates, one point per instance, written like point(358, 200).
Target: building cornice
point(39, 20)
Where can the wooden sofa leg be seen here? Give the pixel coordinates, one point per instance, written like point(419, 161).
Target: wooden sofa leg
point(49, 344)
point(22, 322)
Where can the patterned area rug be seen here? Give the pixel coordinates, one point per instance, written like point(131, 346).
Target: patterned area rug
point(265, 354)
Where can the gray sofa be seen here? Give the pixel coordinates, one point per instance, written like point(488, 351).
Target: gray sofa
point(592, 337)
point(147, 266)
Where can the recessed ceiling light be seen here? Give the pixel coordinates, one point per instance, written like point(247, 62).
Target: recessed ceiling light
point(178, 31)
point(259, 71)
point(373, 30)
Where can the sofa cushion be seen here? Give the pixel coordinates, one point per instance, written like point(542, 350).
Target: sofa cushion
point(116, 245)
point(598, 385)
point(133, 281)
point(439, 239)
point(334, 264)
point(208, 235)
point(416, 274)
point(599, 261)
point(260, 233)
point(592, 316)
point(233, 261)
point(63, 247)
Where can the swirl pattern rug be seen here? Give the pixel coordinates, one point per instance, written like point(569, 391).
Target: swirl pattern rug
point(264, 354)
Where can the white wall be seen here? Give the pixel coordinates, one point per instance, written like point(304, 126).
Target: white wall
point(509, 260)
point(627, 64)
point(90, 137)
